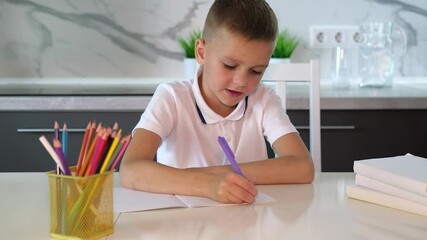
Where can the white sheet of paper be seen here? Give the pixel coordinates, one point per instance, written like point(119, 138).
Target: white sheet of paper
point(128, 200)
point(192, 201)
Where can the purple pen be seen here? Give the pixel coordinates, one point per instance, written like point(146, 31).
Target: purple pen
point(229, 154)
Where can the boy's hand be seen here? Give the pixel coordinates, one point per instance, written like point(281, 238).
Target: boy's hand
point(230, 187)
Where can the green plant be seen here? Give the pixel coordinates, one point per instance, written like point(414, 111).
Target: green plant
point(188, 43)
point(285, 45)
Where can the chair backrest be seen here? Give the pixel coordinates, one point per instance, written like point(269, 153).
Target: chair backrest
point(281, 74)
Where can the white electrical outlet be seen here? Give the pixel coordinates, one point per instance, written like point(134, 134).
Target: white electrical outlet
point(331, 36)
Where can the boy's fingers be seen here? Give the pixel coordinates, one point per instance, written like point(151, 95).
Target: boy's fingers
point(249, 186)
point(252, 180)
point(239, 196)
point(246, 189)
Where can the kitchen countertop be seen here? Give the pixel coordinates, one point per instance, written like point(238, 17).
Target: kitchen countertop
point(134, 95)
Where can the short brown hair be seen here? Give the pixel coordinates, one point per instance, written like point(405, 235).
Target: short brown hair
point(252, 19)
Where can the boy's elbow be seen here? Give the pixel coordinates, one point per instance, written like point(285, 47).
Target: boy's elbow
point(125, 178)
point(307, 172)
point(308, 177)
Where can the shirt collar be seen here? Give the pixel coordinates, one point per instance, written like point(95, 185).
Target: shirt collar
point(206, 114)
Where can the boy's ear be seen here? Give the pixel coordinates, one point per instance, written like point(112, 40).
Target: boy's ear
point(200, 51)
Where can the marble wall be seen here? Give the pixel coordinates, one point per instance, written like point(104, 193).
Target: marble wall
point(137, 38)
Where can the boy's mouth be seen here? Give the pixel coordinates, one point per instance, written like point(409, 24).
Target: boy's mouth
point(233, 93)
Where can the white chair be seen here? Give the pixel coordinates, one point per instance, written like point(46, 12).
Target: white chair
point(281, 74)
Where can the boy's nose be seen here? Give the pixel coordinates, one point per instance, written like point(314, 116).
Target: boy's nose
point(241, 80)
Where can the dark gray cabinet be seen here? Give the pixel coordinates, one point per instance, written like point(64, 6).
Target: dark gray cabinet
point(21, 148)
point(347, 135)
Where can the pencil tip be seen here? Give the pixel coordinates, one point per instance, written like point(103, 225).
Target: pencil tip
point(56, 143)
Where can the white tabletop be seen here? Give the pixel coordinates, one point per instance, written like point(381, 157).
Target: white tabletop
point(312, 211)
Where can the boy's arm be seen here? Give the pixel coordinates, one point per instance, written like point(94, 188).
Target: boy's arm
point(139, 171)
point(293, 164)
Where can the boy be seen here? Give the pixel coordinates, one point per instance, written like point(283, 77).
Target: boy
point(184, 119)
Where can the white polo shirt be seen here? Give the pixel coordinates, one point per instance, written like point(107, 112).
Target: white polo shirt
point(189, 136)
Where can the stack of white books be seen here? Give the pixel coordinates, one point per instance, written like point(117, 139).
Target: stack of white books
point(397, 182)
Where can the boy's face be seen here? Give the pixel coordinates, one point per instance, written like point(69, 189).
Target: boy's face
point(233, 67)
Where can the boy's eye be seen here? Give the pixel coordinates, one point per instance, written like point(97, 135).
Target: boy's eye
point(229, 66)
point(256, 72)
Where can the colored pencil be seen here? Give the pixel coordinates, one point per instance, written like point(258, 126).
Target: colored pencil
point(115, 127)
point(56, 136)
point(51, 151)
point(106, 148)
point(99, 149)
point(116, 153)
point(58, 149)
point(92, 136)
point(64, 140)
point(56, 130)
point(116, 139)
point(88, 156)
point(122, 151)
point(84, 146)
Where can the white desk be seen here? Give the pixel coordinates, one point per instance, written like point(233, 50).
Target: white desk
point(315, 211)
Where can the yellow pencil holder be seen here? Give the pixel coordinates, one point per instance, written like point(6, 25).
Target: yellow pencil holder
point(81, 207)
